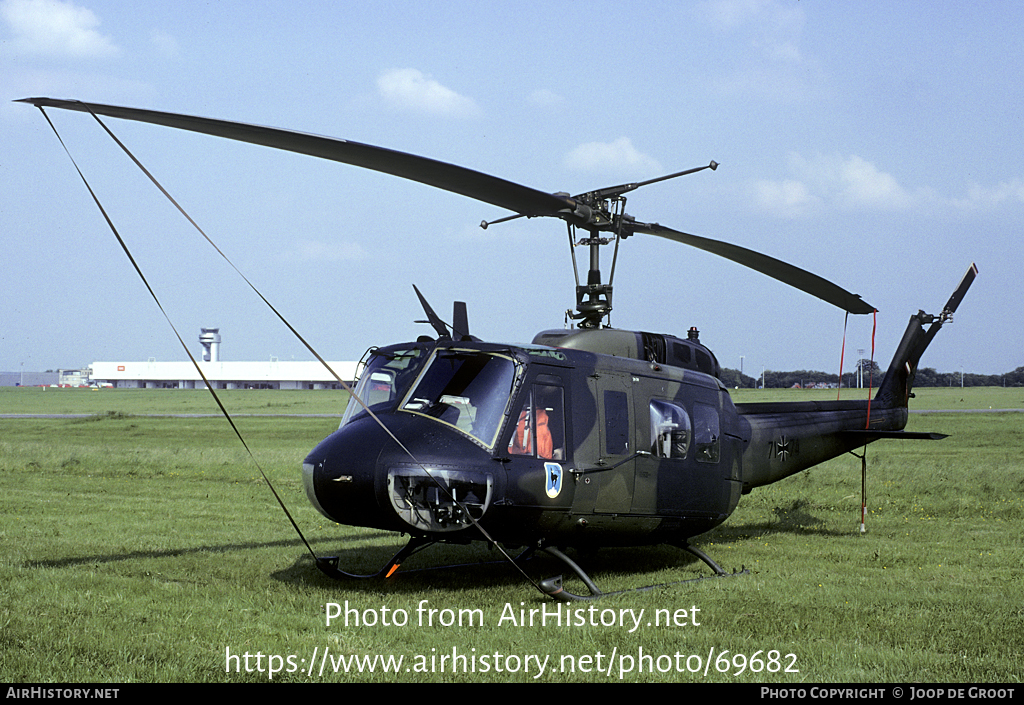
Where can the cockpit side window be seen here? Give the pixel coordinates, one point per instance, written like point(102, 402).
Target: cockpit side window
point(383, 380)
point(524, 436)
point(540, 425)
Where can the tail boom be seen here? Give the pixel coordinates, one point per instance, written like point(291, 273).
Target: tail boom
point(784, 438)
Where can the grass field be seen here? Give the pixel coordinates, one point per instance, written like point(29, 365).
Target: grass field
point(144, 548)
point(39, 400)
point(82, 400)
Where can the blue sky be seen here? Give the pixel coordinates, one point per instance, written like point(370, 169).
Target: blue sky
point(876, 144)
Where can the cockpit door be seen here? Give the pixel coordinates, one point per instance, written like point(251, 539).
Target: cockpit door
point(537, 445)
point(608, 485)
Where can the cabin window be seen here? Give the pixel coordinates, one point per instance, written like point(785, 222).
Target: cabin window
point(654, 347)
point(540, 426)
point(706, 438)
point(670, 430)
point(616, 423)
point(681, 351)
point(704, 363)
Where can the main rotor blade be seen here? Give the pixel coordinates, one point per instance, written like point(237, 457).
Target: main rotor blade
point(449, 177)
point(456, 179)
point(776, 269)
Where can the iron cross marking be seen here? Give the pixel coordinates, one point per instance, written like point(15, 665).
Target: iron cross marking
point(782, 449)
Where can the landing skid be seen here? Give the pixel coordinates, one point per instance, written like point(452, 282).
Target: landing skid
point(553, 586)
point(328, 565)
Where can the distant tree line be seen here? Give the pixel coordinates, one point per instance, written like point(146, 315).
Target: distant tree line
point(872, 374)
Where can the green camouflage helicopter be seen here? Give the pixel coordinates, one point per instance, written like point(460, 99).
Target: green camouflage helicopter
point(583, 438)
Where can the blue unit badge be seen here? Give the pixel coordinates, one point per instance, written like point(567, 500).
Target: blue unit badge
point(552, 479)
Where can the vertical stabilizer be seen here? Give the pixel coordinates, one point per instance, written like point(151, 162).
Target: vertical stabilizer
point(899, 378)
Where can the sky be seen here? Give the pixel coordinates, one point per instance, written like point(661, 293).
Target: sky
point(876, 144)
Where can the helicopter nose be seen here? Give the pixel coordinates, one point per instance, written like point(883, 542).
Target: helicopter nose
point(338, 475)
point(309, 470)
point(434, 481)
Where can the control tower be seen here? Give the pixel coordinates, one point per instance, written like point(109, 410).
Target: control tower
point(209, 338)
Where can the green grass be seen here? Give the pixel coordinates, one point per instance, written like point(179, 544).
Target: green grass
point(139, 549)
point(39, 400)
point(81, 400)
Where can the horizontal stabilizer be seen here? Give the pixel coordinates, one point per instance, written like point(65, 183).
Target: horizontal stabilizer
point(868, 435)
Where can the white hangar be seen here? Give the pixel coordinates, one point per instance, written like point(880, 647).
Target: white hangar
point(272, 374)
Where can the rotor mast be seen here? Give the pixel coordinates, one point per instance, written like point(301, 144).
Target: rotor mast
point(606, 212)
point(600, 211)
point(593, 299)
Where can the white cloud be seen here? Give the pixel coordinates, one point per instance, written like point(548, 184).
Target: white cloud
point(772, 29)
point(410, 89)
point(55, 28)
point(728, 14)
point(867, 186)
point(989, 196)
point(843, 183)
point(767, 61)
point(854, 184)
point(611, 157)
point(785, 199)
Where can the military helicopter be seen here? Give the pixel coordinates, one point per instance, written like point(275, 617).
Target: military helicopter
point(583, 438)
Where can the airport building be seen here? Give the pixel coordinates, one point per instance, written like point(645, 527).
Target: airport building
point(26, 378)
point(272, 374)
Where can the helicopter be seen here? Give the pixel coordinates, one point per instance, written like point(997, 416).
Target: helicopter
point(587, 436)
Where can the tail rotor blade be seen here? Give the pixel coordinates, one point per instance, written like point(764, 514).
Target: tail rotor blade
point(961, 290)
